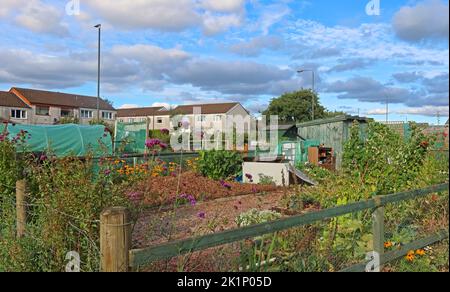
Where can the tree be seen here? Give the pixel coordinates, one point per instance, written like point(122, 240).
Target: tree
point(296, 107)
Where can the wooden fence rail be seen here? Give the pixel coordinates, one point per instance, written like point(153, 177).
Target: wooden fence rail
point(141, 257)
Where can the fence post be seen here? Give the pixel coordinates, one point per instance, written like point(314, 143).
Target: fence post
point(21, 212)
point(115, 239)
point(378, 231)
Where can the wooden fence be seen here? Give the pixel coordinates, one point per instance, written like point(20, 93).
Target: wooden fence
point(115, 231)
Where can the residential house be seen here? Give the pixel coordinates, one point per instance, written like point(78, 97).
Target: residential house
point(211, 115)
point(13, 109)
point(31, 106)
point(158, 117)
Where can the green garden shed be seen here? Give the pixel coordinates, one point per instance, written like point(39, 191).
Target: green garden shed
point(332, 132)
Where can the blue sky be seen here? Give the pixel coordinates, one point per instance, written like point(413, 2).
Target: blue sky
point(191, 51)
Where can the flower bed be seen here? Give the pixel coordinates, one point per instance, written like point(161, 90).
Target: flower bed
point(163, 190)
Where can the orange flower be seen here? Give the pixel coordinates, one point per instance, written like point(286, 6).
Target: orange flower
point(410, 257)
point(388, 244)
point(420, 252)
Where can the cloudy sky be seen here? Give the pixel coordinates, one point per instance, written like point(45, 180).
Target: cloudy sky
point(191, 51)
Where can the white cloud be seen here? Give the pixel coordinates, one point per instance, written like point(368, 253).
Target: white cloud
point(272, 15)
point(165, 15)
point(224, 5)
point(426, 20)
point(7, 6)
point(163, 104)
point(125, 106)
point(430, 111)
point(255, 46)
point(42, 18)
point(425, 111)
point(214, 24)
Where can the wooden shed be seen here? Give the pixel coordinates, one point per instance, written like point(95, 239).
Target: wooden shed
point(333, 132)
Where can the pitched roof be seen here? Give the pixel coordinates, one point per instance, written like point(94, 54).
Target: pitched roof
point(207, 109)
point(60, 99)
point(139, 112)
point(11, 100)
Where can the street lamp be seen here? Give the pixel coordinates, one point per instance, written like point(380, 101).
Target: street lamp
point(99, 26)
point(313, 88)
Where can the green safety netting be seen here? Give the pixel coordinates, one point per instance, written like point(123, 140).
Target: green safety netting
point(64, 140)
point(130, 137)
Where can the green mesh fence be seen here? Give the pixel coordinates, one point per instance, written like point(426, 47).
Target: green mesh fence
point(130, 137)
point(64, 140)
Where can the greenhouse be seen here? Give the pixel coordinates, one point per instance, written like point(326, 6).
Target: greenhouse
point(62, 140)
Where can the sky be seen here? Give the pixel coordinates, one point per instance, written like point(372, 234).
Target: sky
point(171, 52)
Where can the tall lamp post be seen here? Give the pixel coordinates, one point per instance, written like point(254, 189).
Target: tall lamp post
point(99, 26)
point(313, 89)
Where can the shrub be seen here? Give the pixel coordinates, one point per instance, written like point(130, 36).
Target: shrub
point(220, 165)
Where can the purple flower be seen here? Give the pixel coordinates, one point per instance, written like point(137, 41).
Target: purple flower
point(43, 157)
point(125, 156)
point(201, 215)
point(190, 198)
point(225, 184)
point(134, 196)
point(107, 172)
point(165, 131)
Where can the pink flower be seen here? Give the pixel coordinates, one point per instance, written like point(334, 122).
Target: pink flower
point(134, 196)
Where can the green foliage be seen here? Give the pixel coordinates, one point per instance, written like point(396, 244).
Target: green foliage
point(220, 165)
point(296, 107)
point(384, 161)
point(265, 179)
point(65, 198)
point(69, 120)
point(255, 216)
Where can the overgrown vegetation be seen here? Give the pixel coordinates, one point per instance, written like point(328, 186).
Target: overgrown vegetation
point(220, 165)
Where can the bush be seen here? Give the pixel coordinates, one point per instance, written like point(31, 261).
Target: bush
point(220, 165)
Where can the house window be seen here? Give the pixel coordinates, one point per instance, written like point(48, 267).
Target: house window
point(201, 118)
point(18, 114)
point(42, 110)
point(130, 120)
point(159, 120)
point(86, 114)
point(107, 115)
point(217, 118)
point(66, 113)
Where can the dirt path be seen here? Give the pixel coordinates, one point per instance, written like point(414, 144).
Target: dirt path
point(159, 226)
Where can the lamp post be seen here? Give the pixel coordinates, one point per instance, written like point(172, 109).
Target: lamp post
point(99, 26)
point(313, 89)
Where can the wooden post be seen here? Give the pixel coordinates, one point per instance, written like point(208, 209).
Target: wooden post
point(115, 239)
point(378, 232)
point(21, 212)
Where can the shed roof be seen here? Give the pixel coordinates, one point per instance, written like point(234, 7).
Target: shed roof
point(344, 118)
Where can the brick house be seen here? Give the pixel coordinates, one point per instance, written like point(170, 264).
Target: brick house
point(31, 106)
